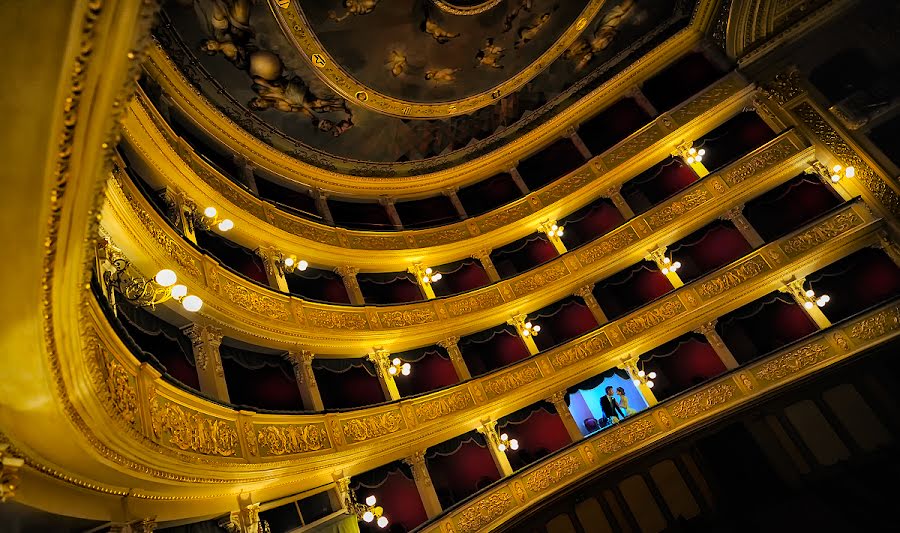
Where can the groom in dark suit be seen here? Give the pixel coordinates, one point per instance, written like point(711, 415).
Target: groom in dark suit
point(610, 406)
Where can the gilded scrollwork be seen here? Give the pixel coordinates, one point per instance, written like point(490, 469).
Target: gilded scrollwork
point(321, 318)
point(541, 278)
point(792, 362)
point(283, 440)
point(820, 233)
point(764, 160)
point(655, 316)
point(876, 326)
point(370, 427)
point(187, 429)
point(608, 245)
point(582, 350)
point(553, 473)
point(662, 216)
point(484, 511)
point(258, 303)
point(511, 380)
point(702, 401)
point(733, 277)
point(718, 93)
point(414, 317)
point(470, 304)
point(443, 406)
point(626, 435)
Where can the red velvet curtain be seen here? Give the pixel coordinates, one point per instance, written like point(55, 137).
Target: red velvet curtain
point(427, 212)
point(265, 387)
point(789, 206)
point(487, 194)
point(433, 371)
point(682, 364)
point(567, 321)
point(503, 349)
point(319, 285)
point(764, 326)
point(734, 139)
point(390, 288)
point(233, 255)
point(457, 476)
point(712, 247)
point(541, 434)
point(400, 499)
point(613, 124)
point(360, 215)
point(298, 201)
point(630, 289)
point(464, 277)
point(856, 283)
point(657, 183)
point(344, 390)
point(591, 222)
point(522, 255)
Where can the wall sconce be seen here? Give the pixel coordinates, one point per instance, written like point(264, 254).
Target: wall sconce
point(507, 443)
point(370, 511)
point(290, 263)
point(148, 292)
point(810, 299)
point(644, 378)
point(211, 218)
point(664, 262)
point(552, 229)
point(692, 155)
point(399, 367)
point(428, 277)
point(669, 266)
point(530, 330)
point(838, 172)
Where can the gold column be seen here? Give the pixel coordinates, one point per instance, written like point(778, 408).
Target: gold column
point(485, 257)
point(630, 366)
point(488, 428)
point(457, 204)
point(683, 151)
point(381, 358)
point(614, 194)
point(708, 330)
point(573, 136)
point(638, 96)
point(426, 289)
point(517, 179)
point(349, 273)
point(9, 472)
point(247, 175)
point(796, 290)
point(205, 341)
point(274, 268)
point(546, 228)
point(322, 206)
point(658, 256)
point(183, 210)
point(519, 322)
point(391, 209)
point(301, 360)
point(432, 504)
point(459, 364)
point(736, 216)
point(558, 399)
point(587, 294)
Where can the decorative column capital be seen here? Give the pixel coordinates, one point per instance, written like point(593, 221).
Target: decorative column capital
point(342, 486)
point(347, 271)
point(558, 398)
point(795, 289)
point(733, 214)
point(488, 428)
point(613, 192)
point(586, 292)
point(449, 343)
point(381, 358)
point(206, 341)
point(658, 256)
point(416, 463)
point(708, 328)
point(9, 472)
point(482, 255)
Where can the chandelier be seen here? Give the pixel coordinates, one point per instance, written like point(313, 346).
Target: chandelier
point(530, 330)
point(838, 172)
point(644, 378)
point(369, 511)
point(669, 266)
point(290, 263)
point(811, 299)
point(211, 218)
point(148, 292)
point(399, 367)
point(507, 443)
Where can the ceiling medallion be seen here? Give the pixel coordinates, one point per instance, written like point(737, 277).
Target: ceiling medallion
point(465, 8)
point(297, 28)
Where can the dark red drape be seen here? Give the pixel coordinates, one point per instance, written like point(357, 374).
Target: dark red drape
point(267, 387)
point(571, 320)
point(685, 77)
point(537, 251)
point(319, 285)
point(469, 276)
point(504, 349)
point(401, 289)
point(714, 246)
point(400, 499)
point(233, 255)
point(298, 201)
point(692, 362)
point(857, 282)
point(427, 212)
point(630, 289)
point(540, 435)
point(593, 221)
point(789, 206)
point(429, 373)
point(457, 476)
point(550, 163)
point(658, 183)
point(360, 215)
point(774, 325)
point(487, 194)
point(612, 125)
point(734, 139)
point(353, 388)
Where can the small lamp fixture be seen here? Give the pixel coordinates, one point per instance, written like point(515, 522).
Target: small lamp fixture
point(693, 155)
point(162, 287)
point(811, 299)
point(644, 378)
point(507, 444)
point(530, 330)
point(211, 218)
point(290, 263)
point(399, 367)
point(370, 511)
point(669, 266)
point(555, 230)
point(430, 276)
point(838, 172)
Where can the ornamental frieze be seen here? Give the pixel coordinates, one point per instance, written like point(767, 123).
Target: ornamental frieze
point(582, 350)
point(766, 159)
point(718, 93)
point(792, 362)
point(283, 440)
point(653, 317)
point(511, 380)
point(477, 302)
point(607, 245)
point(321, 318)
point(703, 401)
point(541, 278)
point(567, 185)
point(877, 325)
point(626, 435)
point(484, 511)
point(304, 229)
point(190, 430)
point(370, 427)
point(414, 317)
point(733, 277)
point(642, 139)
point(113, 384)
point(820, 233)
point(443, 406)
point(261, 304)
point(504, 216)
point(441, 236)
point(553, 472)
point(662, 216)
point(376, 242)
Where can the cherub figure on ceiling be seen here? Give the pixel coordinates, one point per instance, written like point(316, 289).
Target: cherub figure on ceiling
point(523, 5)
point(228, 22)
point(531, 30)
point(490, 55)
point(443, 75)
point(397, 63)
point(439, 34)
point(354, 7)
point(583, 50)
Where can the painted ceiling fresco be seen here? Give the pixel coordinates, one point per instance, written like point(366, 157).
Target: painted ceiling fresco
point(237, 54)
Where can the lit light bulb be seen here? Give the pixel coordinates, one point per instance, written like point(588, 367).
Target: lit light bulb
point(179, 291)
point(406, 369)
point(192, 303)
point(383, 521)
point(526, 333)
point(559, 232)
point(666, 260)
point(428, 271)
point(652, 375)
point(826, 298)
point(437, 277)
point(810, 293)
point(166, 277)
point(665, 271)
point(396, 361)
point(370, 501)
point(536, 329)
point(514, 444)
point(501, 447)
point(835, 178)
point(527, 325)
point(692, 151)
point(368, 516)
point(226, 225)
point(850, 172)
point(676, 265)
point(808, 305)
point(636, 382)
point(649, 384)
point(210, 212)
point(641, 373)
point(690, 160)
point(289, 262)
point(837, 168)
point(504, 436)
point(701, 152)
point(392, 370)
point(303, 265)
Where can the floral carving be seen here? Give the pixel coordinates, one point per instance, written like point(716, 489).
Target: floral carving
point(677, 208)
point(122, 396)
point(470, 304)
point(625, 435)
point(281, 440)
point(732, 277)
point(552, 473)
point(539, 279)
point(566, 185)
point(785, 86)
point(189, 430)
point(820, 233)
point(257, 303)
point(703, 401)
point(443, 406)
point(415, 317)
point(607, 245)
point(640, 140)
point(484, 511)
point(336, 319)
point(511, 380)
point(582, 350)
point(503, 217)
point(250, 438)
point(761, 161)
point(370, 427)
point(442, 236)
point(653, 317)
point(877, 325)
point(792, 362)
point(376, 242)
point(708, 99)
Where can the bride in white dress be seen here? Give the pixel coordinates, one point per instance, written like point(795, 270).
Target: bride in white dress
point(623, 402)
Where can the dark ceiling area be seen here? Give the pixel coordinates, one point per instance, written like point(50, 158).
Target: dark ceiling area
point(236, 53)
